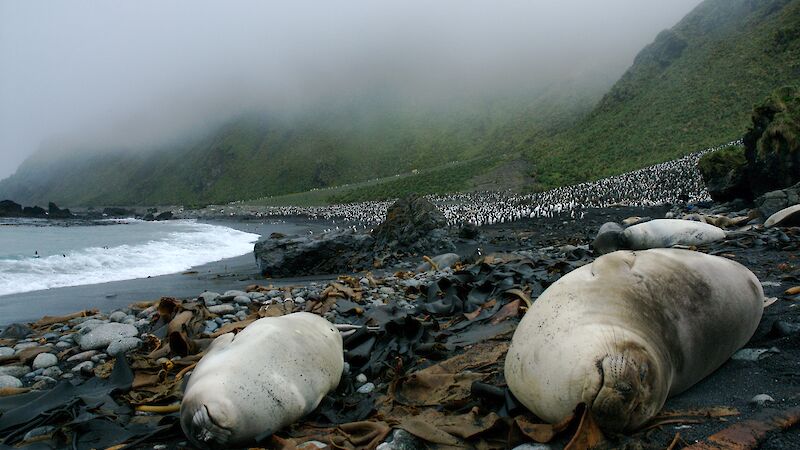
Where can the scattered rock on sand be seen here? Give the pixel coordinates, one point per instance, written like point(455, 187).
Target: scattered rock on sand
point(16, 371)
point(123, 345)
point(103, 335)
point(761, 400)
point(7, 381)
point(44, 360)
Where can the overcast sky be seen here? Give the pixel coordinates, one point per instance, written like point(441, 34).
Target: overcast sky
point(137, 73)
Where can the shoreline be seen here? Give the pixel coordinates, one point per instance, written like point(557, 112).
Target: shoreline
point(222, 275)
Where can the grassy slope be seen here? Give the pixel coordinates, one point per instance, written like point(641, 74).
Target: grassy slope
point(694, 87)
point(253, 157)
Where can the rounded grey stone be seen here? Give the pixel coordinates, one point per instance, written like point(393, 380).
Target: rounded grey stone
point(45, 360)
point(105, 334)
point(242, 300)
point(14, 371)
point(117, 316)
point(366, 388)
point(221, 309)
point(123, 346)
point(7, 381)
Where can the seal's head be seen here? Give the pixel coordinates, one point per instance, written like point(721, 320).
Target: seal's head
point(610, 238)
point(631, 391)
point(209, 423)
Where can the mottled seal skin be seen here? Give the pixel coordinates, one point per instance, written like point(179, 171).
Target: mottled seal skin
point(665, 233)
point(268, 376)
point(627, 331)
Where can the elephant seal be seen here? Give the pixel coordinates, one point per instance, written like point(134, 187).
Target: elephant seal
point(271, 374)
point(786, 217)
point(658, 233)
point(627, 331)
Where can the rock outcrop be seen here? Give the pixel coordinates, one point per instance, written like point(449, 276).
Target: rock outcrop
point(413, 226)
point(770, 159)
point(329, 253)
point(774, 201)
point(772, 144)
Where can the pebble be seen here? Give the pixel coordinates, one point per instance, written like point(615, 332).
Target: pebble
point(346, 368)
point(117, 316)
point(24, 345)
point(242, 300)
point(231, 295)
point(7, 381)
point(63, 344)
point(45, 360)
point(312, 445)
point(51, 336)
point(221, 309)
point(754, 354)
point(6, 352)
point(14, 371)
point(386, 290)
point(299, 300)
point(761, 400)
point(366, 389)
point(402, 440)
point(39, 431)
point(533, 447)
point(52, 372)
point(84, 367)
point(84, 356)
point(274, 293)
point(361, 378)
point(123, 346)
point(209, 298)
point(105, 334)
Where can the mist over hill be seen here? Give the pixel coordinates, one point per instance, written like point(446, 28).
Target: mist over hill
point(692, 87)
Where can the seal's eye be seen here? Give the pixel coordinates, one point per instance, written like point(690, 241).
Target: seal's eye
point(623, 388)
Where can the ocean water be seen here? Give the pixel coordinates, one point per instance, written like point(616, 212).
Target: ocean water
point(37, 254)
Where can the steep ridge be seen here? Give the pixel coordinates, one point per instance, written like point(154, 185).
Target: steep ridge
point(692, 88)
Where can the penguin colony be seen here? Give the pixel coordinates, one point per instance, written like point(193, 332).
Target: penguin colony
point(670, 182)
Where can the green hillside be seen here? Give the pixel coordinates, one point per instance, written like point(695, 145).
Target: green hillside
point(253, 157)
point(692, 88)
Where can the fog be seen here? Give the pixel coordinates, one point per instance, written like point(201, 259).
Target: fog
point(129, 75)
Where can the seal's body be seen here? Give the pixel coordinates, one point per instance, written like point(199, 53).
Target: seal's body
point(786, 217)
point(665, 233)
point(268, 376)
point(627, 331)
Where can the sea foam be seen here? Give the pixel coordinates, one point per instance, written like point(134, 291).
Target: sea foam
point(193, 245)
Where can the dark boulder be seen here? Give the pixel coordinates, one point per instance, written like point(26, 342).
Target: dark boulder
point(725, 174)
point(325, 254)
point(772, 144)
point(118, 212)
point(34, 211)
point(9, 208)
point(16, 331)
point(54, 212)
point(413, 225)
point(774, 201)
point(166, 215)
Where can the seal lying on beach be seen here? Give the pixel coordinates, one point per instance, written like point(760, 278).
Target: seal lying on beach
point(627, 331)
point(268, 376)
point(786, 217)
point(659, 233)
